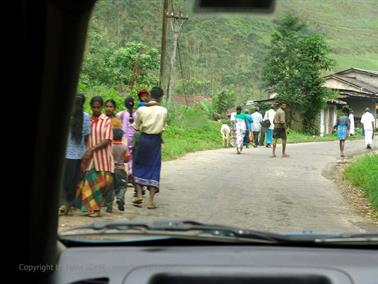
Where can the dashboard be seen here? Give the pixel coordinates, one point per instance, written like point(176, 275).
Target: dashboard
point(217, 264)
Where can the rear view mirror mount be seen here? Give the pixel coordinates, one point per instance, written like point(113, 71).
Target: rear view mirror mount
point(238, 6)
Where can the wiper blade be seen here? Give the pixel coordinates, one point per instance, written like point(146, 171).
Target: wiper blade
point(350, 238)
point(183, 226)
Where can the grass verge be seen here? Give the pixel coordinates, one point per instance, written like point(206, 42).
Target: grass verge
point(363, 173)
point(180, 140)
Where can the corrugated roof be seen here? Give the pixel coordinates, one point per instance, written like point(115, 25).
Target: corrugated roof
point(365, 87)
point(370, 72)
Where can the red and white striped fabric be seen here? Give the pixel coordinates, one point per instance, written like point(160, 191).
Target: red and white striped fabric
point(101, 128)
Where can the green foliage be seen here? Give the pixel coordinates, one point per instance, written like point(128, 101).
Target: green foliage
point(118, 67)
point(106, 93)
point(294, 68)
point(363, 173)
point(223, 101)
point(208, 108)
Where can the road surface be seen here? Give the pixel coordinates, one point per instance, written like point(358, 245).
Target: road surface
point(252, 190)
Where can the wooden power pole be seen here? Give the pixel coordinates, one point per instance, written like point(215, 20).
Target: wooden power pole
point(163, 41)
point(176, 24)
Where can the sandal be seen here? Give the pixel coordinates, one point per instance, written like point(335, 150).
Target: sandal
point(63, 210)
point(138, 200)
point(96, 213)
point(151, 206)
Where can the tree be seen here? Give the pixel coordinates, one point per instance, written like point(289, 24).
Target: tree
point(122, 67)
point(293, 68)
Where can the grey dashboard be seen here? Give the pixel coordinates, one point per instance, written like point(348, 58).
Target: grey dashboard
point(217, 264)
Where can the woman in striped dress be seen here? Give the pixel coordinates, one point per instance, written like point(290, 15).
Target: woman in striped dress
point(98, 165)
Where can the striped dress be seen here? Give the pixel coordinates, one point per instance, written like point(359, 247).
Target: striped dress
point(101, 129)
point(98, 172)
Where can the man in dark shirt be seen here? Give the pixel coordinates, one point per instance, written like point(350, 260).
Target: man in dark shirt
point(280, 130)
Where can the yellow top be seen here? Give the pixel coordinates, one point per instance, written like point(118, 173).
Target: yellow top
point(116, 122)
point(151, 119)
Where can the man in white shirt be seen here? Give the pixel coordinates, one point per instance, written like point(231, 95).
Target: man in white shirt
point(256, 126)
point(269, 115)
point(351, 120)
point(367, 120)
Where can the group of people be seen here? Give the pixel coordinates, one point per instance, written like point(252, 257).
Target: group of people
point(246, 128)
point(106, 151)
point(345, 127)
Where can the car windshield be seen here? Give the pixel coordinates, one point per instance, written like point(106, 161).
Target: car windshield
point(256, 120)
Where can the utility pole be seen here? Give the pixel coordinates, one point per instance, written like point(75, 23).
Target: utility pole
point(178, 21)
point(163, 41)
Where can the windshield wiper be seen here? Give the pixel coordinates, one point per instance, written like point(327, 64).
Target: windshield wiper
point(217, 231)
point(192, 229)
point(350, 238)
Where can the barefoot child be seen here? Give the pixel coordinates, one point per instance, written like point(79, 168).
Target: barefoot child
point(121, 156)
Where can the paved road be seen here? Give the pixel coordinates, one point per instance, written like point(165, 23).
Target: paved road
point(253, 190)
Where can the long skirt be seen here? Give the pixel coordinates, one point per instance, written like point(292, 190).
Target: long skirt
point(269, 136)
point(89, 194)
point(71, 178)
point(147, 161)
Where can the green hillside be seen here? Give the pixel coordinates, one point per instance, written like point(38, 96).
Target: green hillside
point(220, 51)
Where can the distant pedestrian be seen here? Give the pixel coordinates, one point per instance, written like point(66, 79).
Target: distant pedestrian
point(240, 129)
point(343, 126)
point(256, 126)
point(368, 120)
point(279, 131)
point(269, 115)
point(248, 119)
point(351, 120)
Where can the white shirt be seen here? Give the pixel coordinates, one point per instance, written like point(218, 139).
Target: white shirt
point(233, 117)
point(351, 120)
point(256, 120)
point(367, 119)
point(269, 114)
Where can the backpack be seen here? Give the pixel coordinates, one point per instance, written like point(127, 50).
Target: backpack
point(265, 123)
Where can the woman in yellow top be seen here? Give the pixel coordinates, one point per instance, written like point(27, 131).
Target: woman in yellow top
point(110, 107)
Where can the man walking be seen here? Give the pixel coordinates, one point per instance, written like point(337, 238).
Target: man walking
point(280, 130)
point(367, 120)
point(256, 126)
point(150, 121)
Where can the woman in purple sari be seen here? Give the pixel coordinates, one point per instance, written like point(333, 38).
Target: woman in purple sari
point(128, 117)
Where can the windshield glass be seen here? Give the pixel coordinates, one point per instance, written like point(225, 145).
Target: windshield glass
point(261, 121)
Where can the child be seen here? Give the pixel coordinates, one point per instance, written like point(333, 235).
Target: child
point(119, 185)
point(143, 96)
